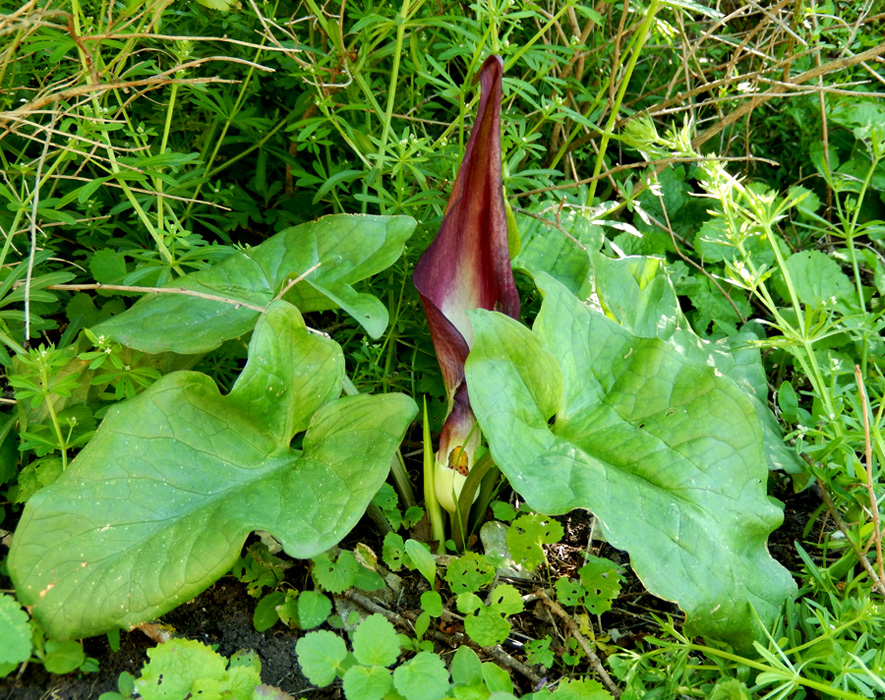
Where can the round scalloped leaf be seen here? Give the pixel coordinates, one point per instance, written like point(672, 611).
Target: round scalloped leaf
point(423, 677)
point(15, 642)
point(320, 655)
point(175, 667)
point(375, 642)
point(367, 682)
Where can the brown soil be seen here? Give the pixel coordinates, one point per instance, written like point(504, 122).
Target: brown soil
point(222, 616)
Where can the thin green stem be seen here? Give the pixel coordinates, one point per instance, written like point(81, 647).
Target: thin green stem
point(513, 59)
point(824, 688)
point(238, 104)
point(431, 503)
point(394, 76)
point(242, 154)
point(638, 42)
point(56, 426)
point(115, 166)
point(158, 182)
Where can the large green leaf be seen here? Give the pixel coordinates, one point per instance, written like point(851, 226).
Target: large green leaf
point(158, 505)
point(564, 257)
point(664, 449)
point(349, 248)
point(639, 295)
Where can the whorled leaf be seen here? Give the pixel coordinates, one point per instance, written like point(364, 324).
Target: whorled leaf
point(158, 505)
point(349, 248)
point(664, 450)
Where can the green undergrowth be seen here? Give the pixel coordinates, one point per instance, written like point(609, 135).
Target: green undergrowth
point(210, 215)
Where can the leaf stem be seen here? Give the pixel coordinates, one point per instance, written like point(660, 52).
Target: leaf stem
point(431, 503)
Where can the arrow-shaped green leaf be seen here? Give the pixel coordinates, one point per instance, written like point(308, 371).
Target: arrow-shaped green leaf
point(666, 451)
point(348, 248)
point(158, 505)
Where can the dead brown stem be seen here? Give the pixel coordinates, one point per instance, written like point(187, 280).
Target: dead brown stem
point(871, 491)
point(595, 661)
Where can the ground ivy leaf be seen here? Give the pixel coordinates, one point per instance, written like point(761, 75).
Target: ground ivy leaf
point(470, 692)
point(15, 646)
point(158, 505)
point(243, 674)
point(174, 667)
point(367, 683)
point(335, 576)
point(313, 609)
point(423, 677)
point(580, 689)
point(666, 452)
point(320, 655)
point(375, 642)
point(349, 248)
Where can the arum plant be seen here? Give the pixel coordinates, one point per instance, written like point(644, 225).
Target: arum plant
point(466, 267)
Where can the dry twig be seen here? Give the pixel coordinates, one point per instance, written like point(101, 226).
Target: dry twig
point(876, 537)
point(595, 661)
point(878, 584)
